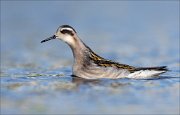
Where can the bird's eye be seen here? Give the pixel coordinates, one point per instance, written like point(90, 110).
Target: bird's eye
point(67, 32)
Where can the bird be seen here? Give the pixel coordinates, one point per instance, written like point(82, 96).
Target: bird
point(88, 65)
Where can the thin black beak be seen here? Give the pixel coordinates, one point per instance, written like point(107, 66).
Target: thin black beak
point(50, 38)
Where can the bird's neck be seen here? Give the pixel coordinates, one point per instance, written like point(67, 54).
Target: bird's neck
point(79, 50)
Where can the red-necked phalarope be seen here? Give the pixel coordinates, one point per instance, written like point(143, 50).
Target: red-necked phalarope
point(89, 65)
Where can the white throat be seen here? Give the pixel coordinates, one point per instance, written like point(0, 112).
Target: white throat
point(69, 40)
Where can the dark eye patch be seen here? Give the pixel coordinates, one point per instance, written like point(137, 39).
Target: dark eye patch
point(67, 32)
point(67, 26)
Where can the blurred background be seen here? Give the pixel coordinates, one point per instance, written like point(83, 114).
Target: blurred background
point(139, 33)
point(120, 31)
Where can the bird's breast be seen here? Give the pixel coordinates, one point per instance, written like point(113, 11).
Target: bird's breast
point(96, 72)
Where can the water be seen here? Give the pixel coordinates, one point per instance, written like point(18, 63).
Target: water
point(36, 78)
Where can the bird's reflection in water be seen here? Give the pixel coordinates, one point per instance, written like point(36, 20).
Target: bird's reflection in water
point(81, 81)
point(101, 82)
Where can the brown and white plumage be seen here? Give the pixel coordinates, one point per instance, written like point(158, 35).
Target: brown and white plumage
point(89, 65)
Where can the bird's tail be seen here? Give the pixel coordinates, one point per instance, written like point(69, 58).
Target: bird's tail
point(160, 68)
point(147, 72)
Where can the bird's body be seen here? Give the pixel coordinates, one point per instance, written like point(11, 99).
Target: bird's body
point(89, 65)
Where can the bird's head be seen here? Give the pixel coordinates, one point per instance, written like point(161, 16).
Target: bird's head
point(65, 33)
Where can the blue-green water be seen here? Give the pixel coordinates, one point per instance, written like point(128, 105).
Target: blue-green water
point(36, 78)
